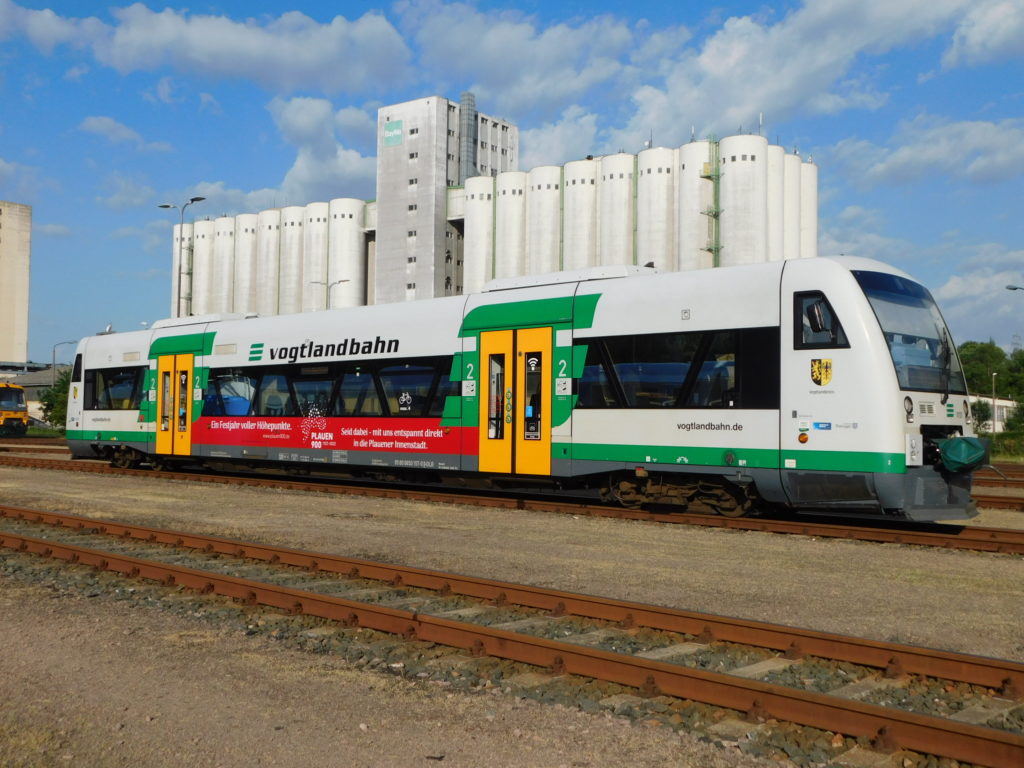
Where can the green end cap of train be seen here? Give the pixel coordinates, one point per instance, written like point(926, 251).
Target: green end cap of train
point(963, 454)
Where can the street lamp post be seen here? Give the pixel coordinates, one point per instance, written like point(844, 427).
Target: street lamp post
point(181, 238)
point(1015, 287)
point(327, 289)
point(53, 360)
point(994, 374)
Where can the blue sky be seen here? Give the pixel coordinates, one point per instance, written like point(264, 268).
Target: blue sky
point(912, 109)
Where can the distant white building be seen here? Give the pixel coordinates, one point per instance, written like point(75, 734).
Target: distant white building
point(15, 259)
point(1004, 409)
point(452, 212)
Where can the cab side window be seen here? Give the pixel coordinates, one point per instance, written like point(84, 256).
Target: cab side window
point(815, 324)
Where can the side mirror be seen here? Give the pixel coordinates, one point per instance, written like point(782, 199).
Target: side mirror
point(816, 317)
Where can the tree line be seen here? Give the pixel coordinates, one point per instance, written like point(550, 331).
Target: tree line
point(980, 359)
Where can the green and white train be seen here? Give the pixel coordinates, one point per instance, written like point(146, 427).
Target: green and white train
point(817, 385)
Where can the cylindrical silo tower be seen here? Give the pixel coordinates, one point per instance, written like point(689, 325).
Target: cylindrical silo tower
point(543, 219)
point(808, 210)
point(478, 245)
point(744, 200)
point(510, 224)
point(202, 267)
point(290, 287)
point(696, 222)
point(791, 207)
point(268, 260)
point(616, 206)
point(775, 189)
point(181, 261)
point(656, 208)
point(222, 288)
point(245, 263)
point(315, 230)
point(346, 260)
point(579, 214)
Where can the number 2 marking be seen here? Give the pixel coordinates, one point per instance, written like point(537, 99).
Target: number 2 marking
point(469, 371)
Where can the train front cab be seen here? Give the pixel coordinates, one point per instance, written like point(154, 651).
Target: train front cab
point(861, 430)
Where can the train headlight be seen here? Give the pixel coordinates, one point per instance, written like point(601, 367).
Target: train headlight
point(803, 437)
point(908, 406)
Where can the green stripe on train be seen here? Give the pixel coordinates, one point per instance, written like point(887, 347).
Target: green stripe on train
point(734, 458)
point(196, 343)
point(113, 436)
point(578, 310)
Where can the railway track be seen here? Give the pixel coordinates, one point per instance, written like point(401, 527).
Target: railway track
point(857, 688)
point(975, 538)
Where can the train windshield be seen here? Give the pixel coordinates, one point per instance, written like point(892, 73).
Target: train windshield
point(12, 399)
point(918, 340)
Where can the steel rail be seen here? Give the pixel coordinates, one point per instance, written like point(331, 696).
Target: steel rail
point(889, 728)
point(973, 538)
point(1007, 677)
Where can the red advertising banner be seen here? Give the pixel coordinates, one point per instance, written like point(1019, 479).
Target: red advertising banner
point(422, 435)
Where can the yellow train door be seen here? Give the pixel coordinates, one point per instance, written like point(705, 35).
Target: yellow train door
point(174, 402)
point(515, 402)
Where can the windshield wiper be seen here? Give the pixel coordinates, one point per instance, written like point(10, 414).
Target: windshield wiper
point(946, 357)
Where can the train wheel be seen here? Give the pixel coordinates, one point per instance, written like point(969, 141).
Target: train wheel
point(125, 458)
point(158, 464)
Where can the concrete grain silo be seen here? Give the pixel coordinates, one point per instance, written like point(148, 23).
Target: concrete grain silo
point(315, 230)
point(615, 210)
point(478, 244)
point(775, 200)
point(808, 210)
point(268, 260)
point(543, 220)
point(791, 206)
point(579, 214)
point(289, 298)
point(510, 224)
point(346, 259)
point(695, 226)
point(744, 203)
point(181, 259)
point(202, 267)
point(245, 263)
point(656, 208)
point(222, 286)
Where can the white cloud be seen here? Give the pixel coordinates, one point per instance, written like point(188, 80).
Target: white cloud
point(162, 92)
point(22, 182)
point(975, 301)
point(51, 230)
point(803, 64)
point(118, 133)
point(125, 192)
point(76, 73)
point(153, 236)
point(510, 61)
point(286, 53)
point(571, 138)
point(974, 150)
point(209, 103)
point(358, 127)
point(992, 30)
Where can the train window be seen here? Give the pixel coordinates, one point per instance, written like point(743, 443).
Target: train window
point(815, 324)
point(228, 393)
point(715, 383)
point(76, 372)
point(407, 387)
point(113, 389)
point(313, 395)
point(358, 395)
point(652, 368)
point(445, 388)
point(496, 400)
point(275, 397)
point(595, 387)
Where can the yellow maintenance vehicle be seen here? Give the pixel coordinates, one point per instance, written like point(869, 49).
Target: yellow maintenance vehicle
point(13, 411)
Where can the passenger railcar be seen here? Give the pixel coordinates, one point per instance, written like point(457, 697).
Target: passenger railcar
point(13, 410)
point(815, 385)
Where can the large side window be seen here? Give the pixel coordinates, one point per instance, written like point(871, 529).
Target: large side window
point(229, 392)
point(275, 397)
point(652, 368)
point(445, 388)
point(815, 325)
point(313, 385)
point(113, 389)
point(408, 386)
point(76, 372)
point(358, 394)
point(737, 368)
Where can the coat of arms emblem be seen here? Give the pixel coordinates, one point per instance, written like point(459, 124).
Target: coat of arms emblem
point(821, 371)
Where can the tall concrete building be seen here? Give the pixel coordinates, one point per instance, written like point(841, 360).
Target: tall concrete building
point(423, 148)
point(15, 256)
